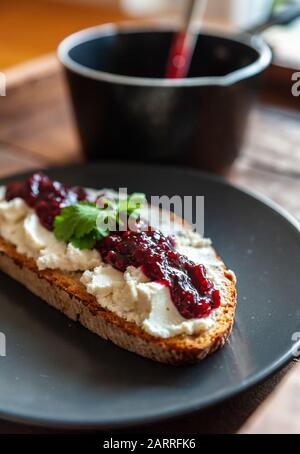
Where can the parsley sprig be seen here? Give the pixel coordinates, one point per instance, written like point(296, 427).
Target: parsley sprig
point(85, 223)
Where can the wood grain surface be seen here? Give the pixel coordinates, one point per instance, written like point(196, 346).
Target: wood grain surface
point(280, 413)
point(36, 130)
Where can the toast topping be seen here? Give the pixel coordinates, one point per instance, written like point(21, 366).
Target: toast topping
point(193, 293)
point(46, 197)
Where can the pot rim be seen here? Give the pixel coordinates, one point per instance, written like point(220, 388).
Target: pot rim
point(88, 34)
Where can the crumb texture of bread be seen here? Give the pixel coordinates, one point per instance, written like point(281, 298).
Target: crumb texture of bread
point(65, 292)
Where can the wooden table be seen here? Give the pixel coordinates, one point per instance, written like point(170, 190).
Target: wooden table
point(36, 130)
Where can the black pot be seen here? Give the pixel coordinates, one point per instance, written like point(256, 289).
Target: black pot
point(126, 109)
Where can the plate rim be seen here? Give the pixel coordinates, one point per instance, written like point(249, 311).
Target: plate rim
point(179, 410)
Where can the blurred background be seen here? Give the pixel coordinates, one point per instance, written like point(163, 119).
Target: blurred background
point(30, 28)
point(36, 121)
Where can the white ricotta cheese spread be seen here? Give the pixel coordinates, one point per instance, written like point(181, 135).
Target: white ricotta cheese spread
point(149, 304)
point(20, 226)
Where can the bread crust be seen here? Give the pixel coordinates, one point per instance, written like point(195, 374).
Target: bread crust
point(65, 292)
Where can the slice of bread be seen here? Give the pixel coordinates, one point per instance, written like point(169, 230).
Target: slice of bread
point(65, 292)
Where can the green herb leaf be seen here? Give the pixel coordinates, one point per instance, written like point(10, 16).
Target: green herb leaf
point(75, 221)
point(107, 220)
point(134, 202)
point(88, 241)
point(84, 223)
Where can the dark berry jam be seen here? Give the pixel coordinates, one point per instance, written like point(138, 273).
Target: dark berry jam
point(45, 196)
point(192, 293)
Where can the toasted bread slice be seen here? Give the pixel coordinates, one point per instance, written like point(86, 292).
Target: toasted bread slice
point(65, 292)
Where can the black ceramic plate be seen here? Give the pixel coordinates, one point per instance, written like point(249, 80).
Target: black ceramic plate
point(57, 373)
